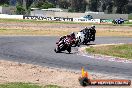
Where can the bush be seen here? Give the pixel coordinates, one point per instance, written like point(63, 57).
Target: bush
point(43, 5)
point(20, 9)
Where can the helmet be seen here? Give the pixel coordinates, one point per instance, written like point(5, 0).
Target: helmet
point(72, 34)
point(85, 27)
point(93, 26)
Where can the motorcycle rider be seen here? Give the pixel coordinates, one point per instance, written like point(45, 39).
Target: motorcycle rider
point(89, 33)
point(86, 29)
point(93, 31)
point(71, 37)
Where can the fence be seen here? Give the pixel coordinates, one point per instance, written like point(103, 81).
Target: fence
point(62, 19)
point(5, 16)
point(78, 15)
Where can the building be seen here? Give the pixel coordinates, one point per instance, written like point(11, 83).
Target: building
point(59, 13)
point(7, 10)
point(44, 12)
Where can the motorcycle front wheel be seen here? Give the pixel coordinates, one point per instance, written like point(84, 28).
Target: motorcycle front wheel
point(69, 49)
point(56, 50)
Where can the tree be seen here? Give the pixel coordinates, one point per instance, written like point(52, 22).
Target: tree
point(78, 5)
point(94, 5)
point(47, 5)
point(12, 2)
point(121, 5)
point(103, 7)
point(110, 7)
point(63, 4)
point(19, 9)
point(129, 8)
point(116, 6)
point(4, 2)
point(29, 3)
point(43, 4)
point(55, 2)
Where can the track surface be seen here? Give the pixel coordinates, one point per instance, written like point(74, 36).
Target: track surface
point(40, 50)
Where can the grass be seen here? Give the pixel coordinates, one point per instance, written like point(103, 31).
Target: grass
point(52, 86)
point(122, 51)
point(130, 16)
point(51, 32)
point(19, 85)
point(26, 85)
point(33, 32)
point(128, 24)
point(54, 31)
point(40, 21)
point(114, 33)
point(58, 22)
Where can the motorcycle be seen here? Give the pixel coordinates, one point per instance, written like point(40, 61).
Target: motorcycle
point(86, 36)
point(73, 40)
point(118, 21)
point(63, 45)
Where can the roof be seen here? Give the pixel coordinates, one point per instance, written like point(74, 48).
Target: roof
point(53, 9)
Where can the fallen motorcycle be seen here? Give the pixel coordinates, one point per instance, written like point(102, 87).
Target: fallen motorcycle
point(63, 45)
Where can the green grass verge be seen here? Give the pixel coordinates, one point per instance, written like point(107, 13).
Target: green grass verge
point(122, 51)
point(128, 24)
point(33, 32)
point(40, 21)
point(130, 16)
point(26, 85)
point(60, 32)
point(19, 85)
point(52, 86)
point(60, 22)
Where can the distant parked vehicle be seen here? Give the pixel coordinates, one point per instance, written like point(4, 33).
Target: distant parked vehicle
point(89, 17)
point(118, 21)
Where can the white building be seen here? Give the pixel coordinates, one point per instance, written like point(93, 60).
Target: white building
point(44, 12)
point(7, 10)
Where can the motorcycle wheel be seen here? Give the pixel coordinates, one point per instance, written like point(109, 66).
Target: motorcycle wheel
point(56, 50)
point(77, 43)
point(69, 49)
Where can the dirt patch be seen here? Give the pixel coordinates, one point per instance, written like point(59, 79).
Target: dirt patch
point(59, 29)
point(21, 72)
point(59, 26)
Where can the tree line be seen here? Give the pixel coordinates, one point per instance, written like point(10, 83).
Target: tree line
point(107, 6)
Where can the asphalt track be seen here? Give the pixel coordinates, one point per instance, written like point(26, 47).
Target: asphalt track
point(39, 50)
